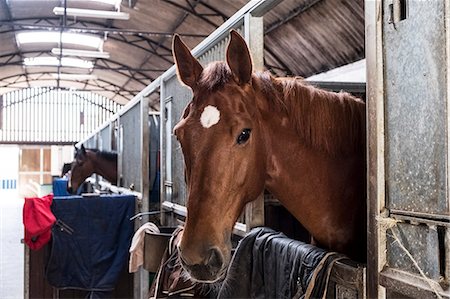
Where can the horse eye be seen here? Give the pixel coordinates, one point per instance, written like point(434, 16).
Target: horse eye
point(244, 136)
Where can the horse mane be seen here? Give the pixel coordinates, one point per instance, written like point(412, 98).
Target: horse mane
point(109, 156)
point(328, 121)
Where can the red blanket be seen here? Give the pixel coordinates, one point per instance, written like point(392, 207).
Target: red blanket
point(38, 220)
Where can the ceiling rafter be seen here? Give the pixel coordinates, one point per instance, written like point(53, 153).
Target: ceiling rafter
point(141, 37)
point(216, 11)
point(9, 16)
point(161, 40)
point(125, 38)
point(94, 30)
point(101, 64)
point(102, 84)
point(192, 12)
point(135, 38)
point(46, 90)
point(294, 13)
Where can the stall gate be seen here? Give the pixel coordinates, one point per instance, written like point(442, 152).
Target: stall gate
point(408, 119)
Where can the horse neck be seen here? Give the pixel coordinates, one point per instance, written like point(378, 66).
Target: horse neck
point(105, 167)
point(312, 184)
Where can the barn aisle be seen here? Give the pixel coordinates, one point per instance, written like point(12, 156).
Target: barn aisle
point(11, 249)
point(11, 228)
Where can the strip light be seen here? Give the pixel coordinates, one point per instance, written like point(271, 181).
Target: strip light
point(91, 13)
point(54, 37)
point(82, 53)
point(75, 77)
point(54, 61)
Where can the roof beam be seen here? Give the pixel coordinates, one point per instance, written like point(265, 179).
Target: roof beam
point(95, 30)
point(292, 14)
point(161, 40)
point(106, 65)
point(98, 87)
point(9, 16)
point(192, 12)
point(53, 25)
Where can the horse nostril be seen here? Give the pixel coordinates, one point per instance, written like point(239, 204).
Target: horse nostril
point(69, 189)
point(215, 260)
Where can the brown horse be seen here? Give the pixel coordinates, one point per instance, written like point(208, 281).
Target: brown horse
point(89, 161)
point(243, 132)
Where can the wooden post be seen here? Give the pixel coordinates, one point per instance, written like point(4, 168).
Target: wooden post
point(376, 238)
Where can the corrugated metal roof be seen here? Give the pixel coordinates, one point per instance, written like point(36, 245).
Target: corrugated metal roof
point(303, 37)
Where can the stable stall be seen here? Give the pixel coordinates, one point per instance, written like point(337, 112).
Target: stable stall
point(130, 136)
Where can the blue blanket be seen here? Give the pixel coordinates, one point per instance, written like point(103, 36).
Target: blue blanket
point(91, 240)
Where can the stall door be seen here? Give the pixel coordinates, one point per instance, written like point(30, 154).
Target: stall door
point(414, 222)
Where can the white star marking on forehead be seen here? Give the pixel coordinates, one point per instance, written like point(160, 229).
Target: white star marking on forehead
point(210, 116)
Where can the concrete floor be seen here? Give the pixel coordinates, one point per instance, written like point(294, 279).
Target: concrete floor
point(11, 249)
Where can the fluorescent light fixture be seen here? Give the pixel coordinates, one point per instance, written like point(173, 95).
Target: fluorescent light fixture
point(91, 13)
point(75, 77)
point(54, 61)
point(54, 37)
point(82, 53)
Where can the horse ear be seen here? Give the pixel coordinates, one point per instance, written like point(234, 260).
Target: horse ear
point(188, 68)
point(83, 150)
point(239, 59)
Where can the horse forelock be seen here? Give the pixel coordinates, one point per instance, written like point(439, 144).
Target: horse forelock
point(214, 76)
point(328, 121)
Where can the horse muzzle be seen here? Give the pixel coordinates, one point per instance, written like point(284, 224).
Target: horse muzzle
point(208, 271)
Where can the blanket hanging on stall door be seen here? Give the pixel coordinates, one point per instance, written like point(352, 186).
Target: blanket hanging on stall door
point(38, 220)
point(267, 264)
point(90, 242)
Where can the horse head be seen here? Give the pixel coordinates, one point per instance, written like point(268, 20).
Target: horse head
point(224, 155)
point(82, 168)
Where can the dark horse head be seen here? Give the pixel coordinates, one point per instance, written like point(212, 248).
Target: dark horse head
point(243, 132)
point(89, 161)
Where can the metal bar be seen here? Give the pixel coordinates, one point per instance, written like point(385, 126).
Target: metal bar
point(115, 189)
point(191, 12)
point(420, 220)
point(121, 67)
point(238, 229)
point(421, 215)
point(95, 30)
